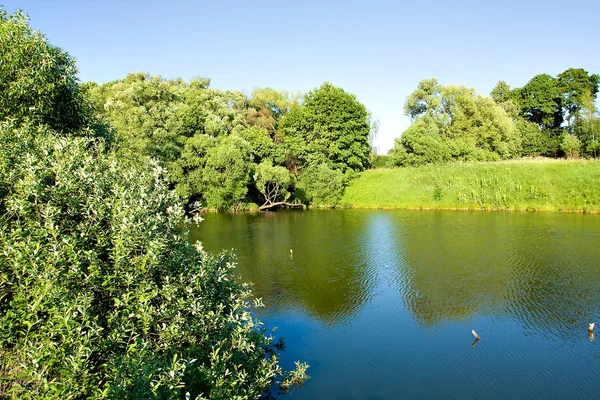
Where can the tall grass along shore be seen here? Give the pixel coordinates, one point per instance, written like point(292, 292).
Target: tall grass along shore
point(526, 185)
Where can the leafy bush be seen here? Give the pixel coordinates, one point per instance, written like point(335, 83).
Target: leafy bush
point(420, 144)
point(321, 185)
point(101, 295)
point(534, 141)
point(570, 145)
point(381, 161)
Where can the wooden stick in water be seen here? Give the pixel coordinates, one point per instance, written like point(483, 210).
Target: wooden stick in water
point(475, 334)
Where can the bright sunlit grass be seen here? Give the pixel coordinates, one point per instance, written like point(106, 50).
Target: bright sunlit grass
point(527, 184)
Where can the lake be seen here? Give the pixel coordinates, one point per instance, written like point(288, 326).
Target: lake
point(381, 304)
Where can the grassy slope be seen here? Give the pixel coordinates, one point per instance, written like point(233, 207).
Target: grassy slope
point(544, 185)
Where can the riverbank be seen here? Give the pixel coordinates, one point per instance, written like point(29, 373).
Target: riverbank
point(523, 185)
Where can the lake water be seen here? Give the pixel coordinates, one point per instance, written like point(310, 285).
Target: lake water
point(381, 304)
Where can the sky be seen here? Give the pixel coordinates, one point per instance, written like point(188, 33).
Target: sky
point(377, 50)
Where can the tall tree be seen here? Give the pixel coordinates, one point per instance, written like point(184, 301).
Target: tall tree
point(266, 107)
point(334, 126)
point(453, 122)
point(575, 84)
point(501, 92)
point(540, 101)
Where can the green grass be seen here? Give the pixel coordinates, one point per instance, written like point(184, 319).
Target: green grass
point(529, 184)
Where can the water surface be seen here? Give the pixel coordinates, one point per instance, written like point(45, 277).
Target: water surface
point(381, 304)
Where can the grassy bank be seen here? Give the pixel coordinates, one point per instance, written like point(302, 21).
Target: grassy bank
point(540, 185)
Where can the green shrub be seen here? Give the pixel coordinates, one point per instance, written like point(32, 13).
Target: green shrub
point(420, 144)
point(101, 295)
point(570, 145)
point(321, 185)
point(534, 141)
point(382, 161)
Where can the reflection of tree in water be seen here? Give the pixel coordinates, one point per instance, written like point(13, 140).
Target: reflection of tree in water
point(537, 269)
point(556, 287)
point(326, 277)
point(452, 267)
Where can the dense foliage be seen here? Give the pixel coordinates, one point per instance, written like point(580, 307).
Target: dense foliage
point(211, 141)
point(331, 127)
point(37, 80)
point(101, 294)
point(548, 116)
point(454, 123)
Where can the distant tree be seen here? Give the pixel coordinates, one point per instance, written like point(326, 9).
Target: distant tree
point(428, 99)
point(570, 145)
point(259, 139)
point(335, 127)
point(268, 106)
point(38, 81)
point(218, 112)
point(540, 101)
point(374, 124)
point(421, 144)
point(533, 140)
point(587, 127)
point(142, 109)
point(454, 123)
point(501, 92)
point(187, 171)
point(574, 85)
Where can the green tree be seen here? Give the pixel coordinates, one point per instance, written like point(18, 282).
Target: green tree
point(454, 123)
point(260, 141)
point(38, 81)
point(187, 171)
point(227, 173)
point(268, 106)
point(587, 128)
point(501, 92)
point(212, 111)
point(540, 101)
point(334, 125)
point(575, 84)
point(420, 144)
point(142, 109)
point(273, 182)
point(101, 294)
point(533, 140)
point(570, 145)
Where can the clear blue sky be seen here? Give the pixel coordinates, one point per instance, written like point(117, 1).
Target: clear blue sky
point(378, 50)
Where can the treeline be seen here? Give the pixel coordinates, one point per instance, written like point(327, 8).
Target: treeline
point(226, 150)
point(101, 293)
point(549, 116)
